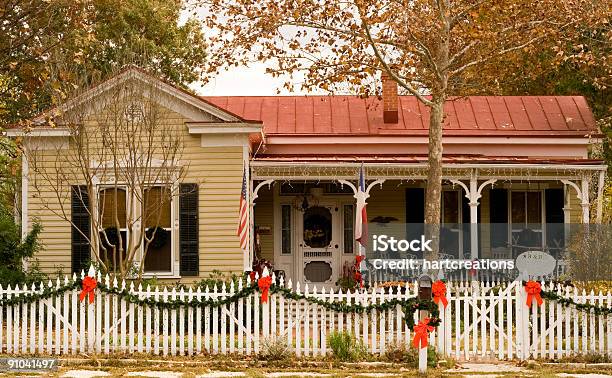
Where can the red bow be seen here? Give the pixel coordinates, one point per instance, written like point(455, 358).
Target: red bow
point(264, 284)
point(438, 289)
point(421, 333)
point(358, 276)
point(89, 285)
point(358, 260)
point(533, 290)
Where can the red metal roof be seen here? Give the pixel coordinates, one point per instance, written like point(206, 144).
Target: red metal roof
point(467, 116)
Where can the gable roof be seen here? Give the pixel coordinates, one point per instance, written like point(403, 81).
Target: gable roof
point(217, 114)
point(466, 116)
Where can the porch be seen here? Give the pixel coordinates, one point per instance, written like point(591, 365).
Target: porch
point(304, 212)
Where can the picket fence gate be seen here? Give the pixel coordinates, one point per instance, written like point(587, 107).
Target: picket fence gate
point(481, 320)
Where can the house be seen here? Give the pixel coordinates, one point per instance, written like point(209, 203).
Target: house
point(510, 164)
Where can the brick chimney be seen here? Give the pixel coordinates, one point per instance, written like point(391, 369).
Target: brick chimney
point(390, 99)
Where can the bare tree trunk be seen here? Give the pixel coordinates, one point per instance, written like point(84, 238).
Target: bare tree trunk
point(434, 178)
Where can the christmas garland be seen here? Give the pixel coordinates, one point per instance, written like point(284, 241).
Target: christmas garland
point(536, 291)
point(410, 305)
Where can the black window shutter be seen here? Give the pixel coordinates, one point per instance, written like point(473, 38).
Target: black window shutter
point(555, 230)
point(81, 228)
point(188, 229)
point(499, 217)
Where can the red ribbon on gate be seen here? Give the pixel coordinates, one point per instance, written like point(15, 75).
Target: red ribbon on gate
point(533, 290)
point(421, 333)
point(438, 290)
point(264, 284)
point(89, 285)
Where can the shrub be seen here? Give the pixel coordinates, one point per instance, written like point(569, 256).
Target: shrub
point(401, 353)
point(346, 347)
point(218, 278)
point(275, 349)
point(590, 247)
point(13, 249)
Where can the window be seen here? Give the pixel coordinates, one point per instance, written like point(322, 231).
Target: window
point(450, 207)
point(349, 232)
point(526, 218)
point(113, 218)
point(157, 220)
point(450, 233)
point(286, 229)
point(116, 207)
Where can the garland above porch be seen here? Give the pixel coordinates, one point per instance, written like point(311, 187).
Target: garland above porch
point(317, 171)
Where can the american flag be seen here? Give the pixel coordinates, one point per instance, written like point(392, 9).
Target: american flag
point(361, 221)
point(243, 225)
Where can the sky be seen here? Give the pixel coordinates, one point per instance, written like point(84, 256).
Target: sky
point(243, 81)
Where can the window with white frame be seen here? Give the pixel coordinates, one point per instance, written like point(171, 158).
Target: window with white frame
point(451, 215)
point(349, 230)
point(112, 210)
point(286, 230)
point(526, 217)
point(157, 220)
point(155, 213)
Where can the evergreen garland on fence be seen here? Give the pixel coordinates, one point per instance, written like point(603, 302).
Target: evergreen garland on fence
point(409, 305)
point(586, 307)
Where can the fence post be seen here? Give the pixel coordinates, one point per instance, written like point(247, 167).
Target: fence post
point(91, 336)
point(266, 310)
point(522, 324)
point(424, 293)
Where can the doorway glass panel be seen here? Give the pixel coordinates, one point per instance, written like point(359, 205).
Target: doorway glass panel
point(317, 227)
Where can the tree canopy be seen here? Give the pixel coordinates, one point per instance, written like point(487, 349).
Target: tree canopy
point(48, 47)
point(433, 49)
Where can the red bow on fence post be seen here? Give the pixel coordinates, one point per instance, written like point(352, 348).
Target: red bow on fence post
point(264, 284)
point(421, 333)
point(438, 289)
point(89, 285)
point(533, 290)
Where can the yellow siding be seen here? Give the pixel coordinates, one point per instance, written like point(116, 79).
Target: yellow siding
point(264, 217)
point(45, 208)
point(388, 201)
point(575, 207)
point(217, 170)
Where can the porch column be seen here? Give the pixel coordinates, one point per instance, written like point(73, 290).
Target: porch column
point(473, 193)
point(251, 247)
point(355, 189)
point(582, 193)
point(474, 215)
point(600, 188)
point(586, 216)
point(567, 218)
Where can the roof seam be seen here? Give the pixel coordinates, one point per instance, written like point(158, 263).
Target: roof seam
point(544, 112)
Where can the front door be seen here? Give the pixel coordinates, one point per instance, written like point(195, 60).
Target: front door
point(319, 244)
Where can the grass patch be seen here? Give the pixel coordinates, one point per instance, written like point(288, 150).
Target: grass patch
point(346, 347)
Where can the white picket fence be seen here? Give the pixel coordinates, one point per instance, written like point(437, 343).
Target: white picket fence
point(481, 320)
